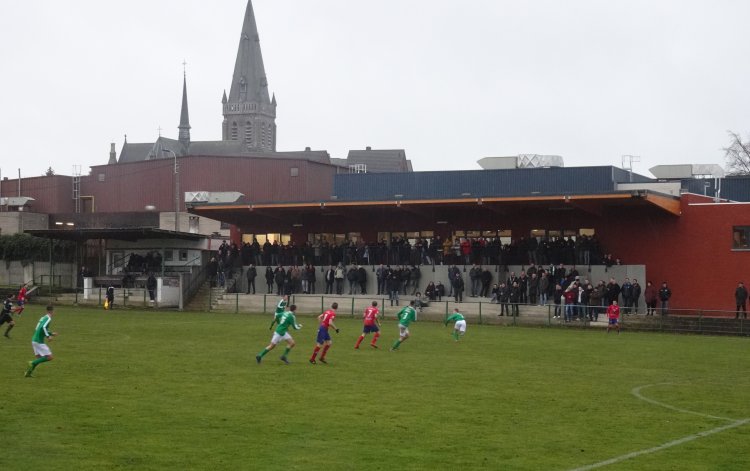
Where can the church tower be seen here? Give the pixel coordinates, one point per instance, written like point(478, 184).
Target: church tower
point(249, 111)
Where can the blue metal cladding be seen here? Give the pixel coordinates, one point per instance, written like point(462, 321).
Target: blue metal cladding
point(550, 181)
point(732, 188)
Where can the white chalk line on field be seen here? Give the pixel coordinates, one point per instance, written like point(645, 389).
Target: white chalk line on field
point(734, 423)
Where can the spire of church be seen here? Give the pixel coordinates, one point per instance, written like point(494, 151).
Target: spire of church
point(184, 127)
point(249, 80)
point(249, 113)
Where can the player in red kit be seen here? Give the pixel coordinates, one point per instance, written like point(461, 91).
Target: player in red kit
point(372, 324)
point(613, 313)
point(324, 338)
point(21, 299)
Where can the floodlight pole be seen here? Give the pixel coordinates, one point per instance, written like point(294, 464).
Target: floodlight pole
point(176, 192)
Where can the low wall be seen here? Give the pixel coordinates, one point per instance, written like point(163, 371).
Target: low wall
point(14, 273)
point(436, 273)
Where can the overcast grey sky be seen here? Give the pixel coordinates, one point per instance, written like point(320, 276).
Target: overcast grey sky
point(450, 82)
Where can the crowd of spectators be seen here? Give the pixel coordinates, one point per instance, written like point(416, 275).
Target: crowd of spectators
point(580, 250)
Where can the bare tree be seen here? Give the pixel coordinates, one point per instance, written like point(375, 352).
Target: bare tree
point(737, 155)
point(49, 172)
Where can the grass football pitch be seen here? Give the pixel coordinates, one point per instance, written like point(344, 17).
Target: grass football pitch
point(164, 390)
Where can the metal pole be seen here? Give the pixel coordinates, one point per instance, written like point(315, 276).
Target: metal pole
point(176, 191)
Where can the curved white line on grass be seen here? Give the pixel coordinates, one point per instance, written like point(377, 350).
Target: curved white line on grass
point(679, 441)
point(637, 393)
point(734, 423)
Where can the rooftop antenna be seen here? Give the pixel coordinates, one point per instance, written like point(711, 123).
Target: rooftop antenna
point(627, 163)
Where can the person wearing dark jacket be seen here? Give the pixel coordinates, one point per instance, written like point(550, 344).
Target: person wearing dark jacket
point(503, 296)
point(557, 300)
point(330, 277)
point(514, 298)
point(636, 295)
point(279, 275)
point(458, 287)
point(626, 290)
point(362, 279)
point(664, 294)
point(486, 277)
point(252, 272)
point(740, 296)
point(151, 287)
point(613, 291)
point(269, 279)
point(650, 296)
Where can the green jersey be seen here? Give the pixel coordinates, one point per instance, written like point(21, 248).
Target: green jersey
point(42, 329)
point(280, 308)
point(406, 316)
point(455, 318)
point(286, 321)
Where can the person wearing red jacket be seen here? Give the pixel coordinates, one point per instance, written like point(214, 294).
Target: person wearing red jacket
point(613, 313)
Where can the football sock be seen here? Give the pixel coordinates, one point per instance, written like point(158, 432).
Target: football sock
point(8, 329)
point(315, 352)
point(359, 340)
point(263, 353)
point(325, 350)
point(286, 351)
point(38, 361)
point(396, 344)
point(375, 338)
point(455, 334)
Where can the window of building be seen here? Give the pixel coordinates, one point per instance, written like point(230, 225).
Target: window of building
point(586, 232)
point(249, 133)
point(283, 239)
point(294, 172)
point(168, 255)
point(183, 255)
point(233, 135)
point(741, 238)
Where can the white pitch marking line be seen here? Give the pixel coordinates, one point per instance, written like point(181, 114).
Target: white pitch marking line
point(637, 393)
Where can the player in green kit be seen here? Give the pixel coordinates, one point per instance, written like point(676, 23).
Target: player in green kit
point(280, 309)
point(405, 317)
point(460, 328)
point(285, 321)
point(38, 341)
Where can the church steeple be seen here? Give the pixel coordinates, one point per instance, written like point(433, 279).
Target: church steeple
point(184, 127)
point(249, 113)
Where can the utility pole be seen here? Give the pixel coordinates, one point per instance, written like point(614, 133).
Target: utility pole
point(176, 191)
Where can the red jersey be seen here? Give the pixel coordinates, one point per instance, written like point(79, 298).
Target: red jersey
point(22, 294)
point(371, 313)
point(613, 312)
point(327, 317)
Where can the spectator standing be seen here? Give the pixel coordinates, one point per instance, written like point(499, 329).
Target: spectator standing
point(475, 278)
point(557, 298)
point(339, 277)
point(151, 287)
point(278, 276)
point(269, 279)
point(330, 277)
point(362, 279)
point(503, 296)
point(627, 295)
point(543, 288)
point(650, 296)
point(636, 295)
point(458, 288)
point(740, 296)
point(252, 273)
point(664, 294)
point(382, 275)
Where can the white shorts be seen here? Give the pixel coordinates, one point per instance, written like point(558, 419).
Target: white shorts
point(403, 330)
point(460, 326)
point(278, 338)
point(41, 349)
